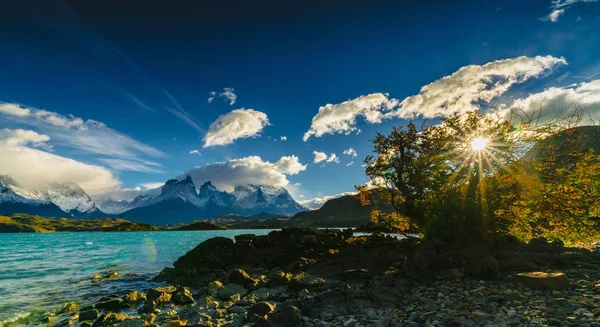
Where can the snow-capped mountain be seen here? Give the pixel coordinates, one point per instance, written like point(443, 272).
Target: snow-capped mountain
point(69, 197)
point(112, 206)
point(266, 198)
point(178, 202)
point(12, 202)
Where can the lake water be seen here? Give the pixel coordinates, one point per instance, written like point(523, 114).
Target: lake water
point(39, 272)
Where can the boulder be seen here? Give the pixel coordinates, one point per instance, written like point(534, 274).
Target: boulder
point(134, 297)
point(279, 278)
point(109, 319)
point(516, 261)
point(160, 295)
point(91, 314)
point(239, 276)
point(485, 268)
point(183, 296)
point(261, 309)
point(114, 305)
point(68, 308)
point(132, 323)
point(538, 280)
point(304, 280)
point(213, 287)
point(231, 289)
point(207, 301)
point(286, 316)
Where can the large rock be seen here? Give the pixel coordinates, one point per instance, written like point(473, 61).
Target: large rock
point(556, 281)
point(303, 280)
point(485, 268)
point(261, 309)
point(160, 295)
point(183, 296)
point(91, 314)
point(113, 305)
point(241, 277)
point(132, 323)
point(109, 319)
point(134, 297)
point(231, 289)
point(213, 288)
point(286, 316)
point(278, 249)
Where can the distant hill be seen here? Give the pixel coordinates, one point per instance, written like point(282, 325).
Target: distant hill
point(21, 223)
point(345, 211)
point(200, 225)
point(561, 145)
point(273, 223)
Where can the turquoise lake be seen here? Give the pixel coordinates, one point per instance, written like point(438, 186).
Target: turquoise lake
point(40, 272)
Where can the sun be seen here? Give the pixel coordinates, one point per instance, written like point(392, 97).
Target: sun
point(479, 143)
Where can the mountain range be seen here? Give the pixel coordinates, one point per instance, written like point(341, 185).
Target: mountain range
point(175, 202)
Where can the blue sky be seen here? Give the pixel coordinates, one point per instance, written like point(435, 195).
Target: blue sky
point(142, 72)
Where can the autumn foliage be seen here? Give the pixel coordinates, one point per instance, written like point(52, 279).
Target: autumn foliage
point(443, 187)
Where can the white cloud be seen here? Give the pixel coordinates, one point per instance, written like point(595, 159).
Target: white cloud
point(153, 185)
point(553, 16)
point(239, 123)
point(194, 152)
point(471, 85)
point(322, 156)
point(317, 203)
point(290, 165)
point(228, 174)
point(558, 7)
point(16, 137)
point(333, 158)
point(561, 101)
point(350, 163)
point(464, 90)
point(283, 138)
point(319, 156)
point(88, 136)
point(14, 110)
point(33, 167)
point(228, 93)
point(350, 152)
point(341, 117)
point(211, 96)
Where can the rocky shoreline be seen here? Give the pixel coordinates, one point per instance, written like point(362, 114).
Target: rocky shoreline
point(309, 277)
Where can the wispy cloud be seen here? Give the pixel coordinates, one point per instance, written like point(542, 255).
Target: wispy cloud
point(34, 167)
point(228, 94)
point(558, 7)
point(86, 136)
point(323, 157)
point(350, 152)
point(194, 152)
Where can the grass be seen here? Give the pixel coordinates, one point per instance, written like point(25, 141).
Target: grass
point(28, 223)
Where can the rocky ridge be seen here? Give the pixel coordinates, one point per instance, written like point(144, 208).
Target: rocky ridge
point(308, 277)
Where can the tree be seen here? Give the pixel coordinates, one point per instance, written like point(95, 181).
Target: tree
point(465, 178)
